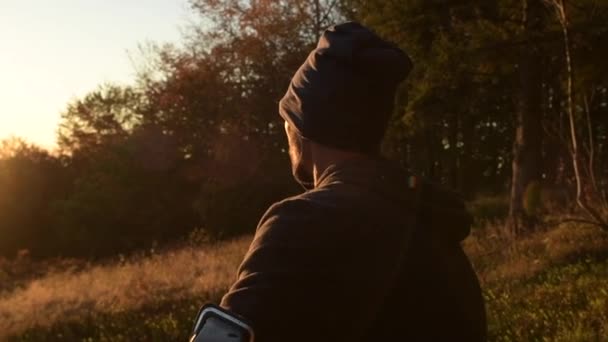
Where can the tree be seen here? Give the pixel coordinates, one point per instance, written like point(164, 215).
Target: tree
point(127, 190)
point(582, 181)
point(455, 108)
point(30, 179)
point(107, 114)
point(527, 146)
point(218, 98)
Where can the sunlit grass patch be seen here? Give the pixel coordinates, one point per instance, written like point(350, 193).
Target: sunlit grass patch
point(110, 289)
point(564, 303)
point(157, 321)
point(546, 286)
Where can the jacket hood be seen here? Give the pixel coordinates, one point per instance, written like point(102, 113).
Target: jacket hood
point(440, 211)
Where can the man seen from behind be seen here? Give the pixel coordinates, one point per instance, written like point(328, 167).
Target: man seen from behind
point(369, 252)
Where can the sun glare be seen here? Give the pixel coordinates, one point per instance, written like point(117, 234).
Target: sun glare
point(53, 52)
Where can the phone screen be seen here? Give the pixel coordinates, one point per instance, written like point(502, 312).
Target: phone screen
point(217, 325)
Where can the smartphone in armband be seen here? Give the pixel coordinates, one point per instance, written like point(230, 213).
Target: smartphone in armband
point(215, 324)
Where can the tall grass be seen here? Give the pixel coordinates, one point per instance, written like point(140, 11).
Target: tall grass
point(547, 286)
point(129, 285)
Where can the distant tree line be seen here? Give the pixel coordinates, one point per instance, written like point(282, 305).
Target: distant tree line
point(195, 143)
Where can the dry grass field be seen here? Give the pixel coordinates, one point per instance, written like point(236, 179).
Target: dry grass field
point(548, 286)
point(69, 295)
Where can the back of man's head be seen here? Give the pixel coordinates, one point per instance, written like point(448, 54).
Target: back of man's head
point(343, 94)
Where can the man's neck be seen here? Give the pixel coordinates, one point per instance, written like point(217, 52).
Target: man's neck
point(324, 158)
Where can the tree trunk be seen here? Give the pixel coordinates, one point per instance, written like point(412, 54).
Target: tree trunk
point(466, 172)
point(581, 197)
point(527, 145)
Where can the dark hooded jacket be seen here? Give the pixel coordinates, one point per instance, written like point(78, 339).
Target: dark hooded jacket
point(371, 254)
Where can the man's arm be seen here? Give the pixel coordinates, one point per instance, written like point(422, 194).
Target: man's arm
point(282, 281)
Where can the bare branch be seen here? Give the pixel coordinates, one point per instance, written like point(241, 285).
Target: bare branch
point(329, 10)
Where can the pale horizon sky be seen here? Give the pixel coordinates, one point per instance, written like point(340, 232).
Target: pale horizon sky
point(55, 51)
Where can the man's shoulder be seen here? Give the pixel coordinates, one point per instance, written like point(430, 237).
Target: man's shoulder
point(312, 200)
point(323, 200)
point(308, 205)
point(307, 212)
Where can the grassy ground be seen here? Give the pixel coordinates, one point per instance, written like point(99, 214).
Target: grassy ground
point(143, 298)
point(548, 286)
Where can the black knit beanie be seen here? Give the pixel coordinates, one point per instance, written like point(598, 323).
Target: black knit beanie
point(343, 94)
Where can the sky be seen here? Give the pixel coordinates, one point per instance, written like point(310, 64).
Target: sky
point(53, 51)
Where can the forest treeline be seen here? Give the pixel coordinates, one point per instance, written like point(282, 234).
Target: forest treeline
point(507, 97)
